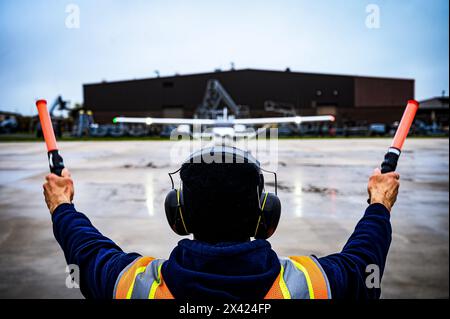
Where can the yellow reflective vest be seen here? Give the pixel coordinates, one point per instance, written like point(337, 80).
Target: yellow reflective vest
point(300, 277)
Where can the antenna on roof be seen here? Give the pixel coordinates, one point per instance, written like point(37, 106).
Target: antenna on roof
point(157, 73)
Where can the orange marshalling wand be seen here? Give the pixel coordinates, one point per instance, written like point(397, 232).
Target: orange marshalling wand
point(391, 158)
point(405, 124)
point(54, 159)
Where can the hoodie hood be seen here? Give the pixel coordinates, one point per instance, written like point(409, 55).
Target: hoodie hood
point(198, 270)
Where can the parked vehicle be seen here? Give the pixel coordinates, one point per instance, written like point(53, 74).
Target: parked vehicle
point(8, 125)
point(377, 129)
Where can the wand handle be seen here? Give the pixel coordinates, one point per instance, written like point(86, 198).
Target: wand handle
point(55, 160)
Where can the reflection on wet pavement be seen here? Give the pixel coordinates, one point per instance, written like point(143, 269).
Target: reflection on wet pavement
point(149, 193)
point(298, 197)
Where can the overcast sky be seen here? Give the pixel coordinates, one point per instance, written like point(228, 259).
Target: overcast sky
point(40, 56)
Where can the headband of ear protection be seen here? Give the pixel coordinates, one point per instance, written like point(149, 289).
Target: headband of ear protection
point(269, 203)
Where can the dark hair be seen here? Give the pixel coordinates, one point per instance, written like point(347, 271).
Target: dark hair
point(221, 200)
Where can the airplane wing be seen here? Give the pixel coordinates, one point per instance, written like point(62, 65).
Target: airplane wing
point(249, 121)
point(167, 121)
point(287, 119)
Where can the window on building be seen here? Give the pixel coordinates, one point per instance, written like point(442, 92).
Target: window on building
point(335, 92)
point(319, 92)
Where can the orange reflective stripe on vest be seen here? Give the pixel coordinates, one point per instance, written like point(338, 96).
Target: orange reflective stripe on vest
point(142, 279)
point(125, 282)
point(318, 279)
point(300, 277)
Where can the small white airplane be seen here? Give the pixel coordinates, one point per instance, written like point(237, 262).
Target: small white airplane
point(224, 126)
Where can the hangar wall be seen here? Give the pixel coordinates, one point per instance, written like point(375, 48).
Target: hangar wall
point(351, 98)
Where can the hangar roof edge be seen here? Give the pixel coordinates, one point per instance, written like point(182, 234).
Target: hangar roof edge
point(248, 70)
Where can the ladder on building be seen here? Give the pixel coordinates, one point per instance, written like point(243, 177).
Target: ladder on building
point(216, 96)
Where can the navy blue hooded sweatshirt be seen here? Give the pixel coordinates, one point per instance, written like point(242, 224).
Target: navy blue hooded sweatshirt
point(197, 270)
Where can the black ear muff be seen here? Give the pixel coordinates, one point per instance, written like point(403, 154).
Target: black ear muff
point(269, 204)
point(269, 216)
point(174, 206)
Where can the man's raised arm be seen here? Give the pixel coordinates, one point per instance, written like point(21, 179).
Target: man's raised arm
point(99, 259)
point(366, 250)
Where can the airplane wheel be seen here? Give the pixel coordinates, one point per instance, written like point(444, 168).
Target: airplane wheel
point(99, 131)
point(117, 130)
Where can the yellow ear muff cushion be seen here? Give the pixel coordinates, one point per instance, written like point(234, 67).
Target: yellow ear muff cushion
point(180, 210)
point(260, 215)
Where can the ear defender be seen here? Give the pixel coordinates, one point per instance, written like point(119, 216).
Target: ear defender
point(174, 207)
point(269, 217)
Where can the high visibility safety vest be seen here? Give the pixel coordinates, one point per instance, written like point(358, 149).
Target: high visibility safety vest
point(300, 277)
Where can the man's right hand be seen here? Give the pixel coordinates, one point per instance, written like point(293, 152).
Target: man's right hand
point(383, 188)
point(58, 190)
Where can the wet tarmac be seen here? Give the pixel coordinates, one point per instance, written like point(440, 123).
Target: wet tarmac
point(322, 185)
